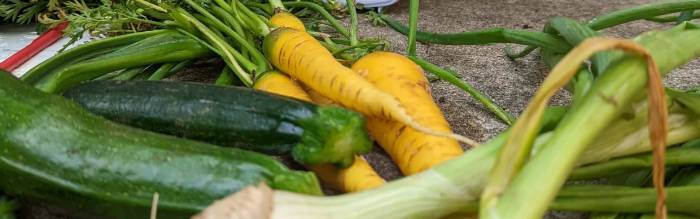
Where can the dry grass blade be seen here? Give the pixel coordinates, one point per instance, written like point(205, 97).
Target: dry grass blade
point(518, 146)
point(658, 130)
point(154, 206)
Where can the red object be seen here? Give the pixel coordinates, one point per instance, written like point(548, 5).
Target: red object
point(45, 40)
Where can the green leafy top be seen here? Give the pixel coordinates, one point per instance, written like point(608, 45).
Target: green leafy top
point(23, 12)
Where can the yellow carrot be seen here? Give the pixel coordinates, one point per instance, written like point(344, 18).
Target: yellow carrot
point(302, 57)
point(411, 150)
point(358, 176)
point(318, 98)
point(277, 83)
point(286, 19)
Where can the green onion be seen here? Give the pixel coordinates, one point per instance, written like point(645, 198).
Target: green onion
point(493, 35)
point(612, 93)
point(642, 12)
point(674, 157)
point(671, 18)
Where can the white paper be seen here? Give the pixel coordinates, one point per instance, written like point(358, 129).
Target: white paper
point(15, 37)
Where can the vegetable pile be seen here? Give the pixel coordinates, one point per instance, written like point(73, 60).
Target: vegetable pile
point(105, 129)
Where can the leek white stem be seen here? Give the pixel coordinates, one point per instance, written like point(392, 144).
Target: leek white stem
point(451, 187)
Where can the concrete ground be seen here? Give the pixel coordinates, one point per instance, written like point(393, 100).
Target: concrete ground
point(509, 83)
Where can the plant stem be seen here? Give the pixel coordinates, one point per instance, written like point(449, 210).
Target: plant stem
point(487, 36)
point(322, 11)
point(176, 67)
point(670, 18)
point(224, 48)
point(675, 156)
point(622, 83)
point(353, 22)
point(445, 189)
point(151, 5)
point(262, 6)
point(450, 77)
point(682, 127)
point(642, 12)
point(224, 78)
point(575, 33)
point(516, 55)
point(361, 45)
point(229, 19)
point(258, 26)
point(240, 17)
point(413, 9)
point(599, 198)
point(128, 74)
point(277, 5)
point(685, 16)
point(261, 63)
point(161, 71)
point(223, 5)
point(245, 62)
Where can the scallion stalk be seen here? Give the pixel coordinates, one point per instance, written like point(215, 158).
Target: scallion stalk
point(612, 93)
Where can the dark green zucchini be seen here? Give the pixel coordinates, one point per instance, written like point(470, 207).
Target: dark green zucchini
point(52, 150)
point(231, 116)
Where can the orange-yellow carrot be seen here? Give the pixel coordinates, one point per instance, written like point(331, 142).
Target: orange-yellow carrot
point(358, 176)
point(298, 54)
point(318, 98)
point(286, 19)
point(277, 83)
point(411, 150)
